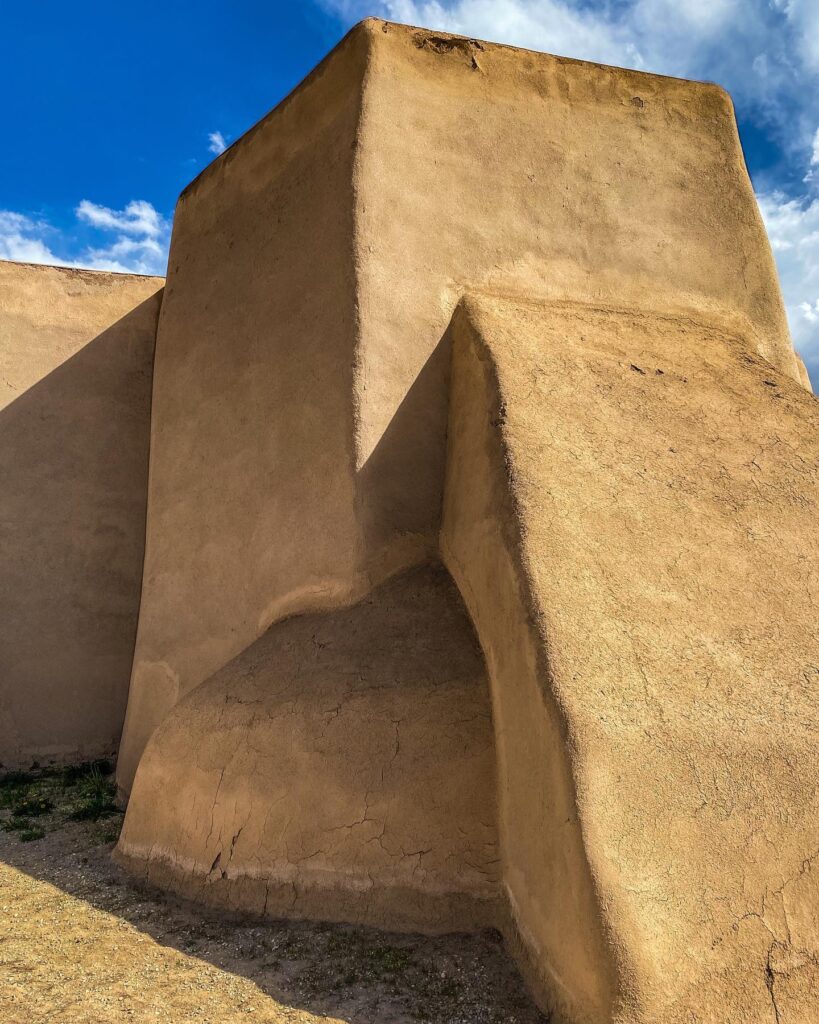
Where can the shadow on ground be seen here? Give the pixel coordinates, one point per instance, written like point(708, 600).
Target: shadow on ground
point(97, 948)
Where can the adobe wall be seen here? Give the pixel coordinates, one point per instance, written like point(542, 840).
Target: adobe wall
point(302, 364)
point(252, 503)
point(485, 167)
point(617, 464)
point(76, 353)
point(341, 768)
point(630, 515)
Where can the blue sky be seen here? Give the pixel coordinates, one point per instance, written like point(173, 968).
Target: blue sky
point(110, 109)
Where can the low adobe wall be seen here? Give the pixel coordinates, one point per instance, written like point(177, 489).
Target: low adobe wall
point(342, 767)
point(76, 357)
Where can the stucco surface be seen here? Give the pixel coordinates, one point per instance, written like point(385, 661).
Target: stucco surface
point(76, 352)
point(609, 444)
point(251, 486)
point(343, 767)
point(630, 514)
point(302, 366)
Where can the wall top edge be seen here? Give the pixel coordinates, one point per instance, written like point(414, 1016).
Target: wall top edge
point(376, 34)
point(79, 271)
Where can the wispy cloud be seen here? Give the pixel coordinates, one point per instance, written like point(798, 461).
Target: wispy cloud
point(138, 218)
point(141, 237)
point(132, 240)
point(217, 143)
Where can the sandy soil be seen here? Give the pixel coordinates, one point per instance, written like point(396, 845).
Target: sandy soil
point(79, 944)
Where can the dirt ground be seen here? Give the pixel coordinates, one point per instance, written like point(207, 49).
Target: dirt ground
point(79, 944)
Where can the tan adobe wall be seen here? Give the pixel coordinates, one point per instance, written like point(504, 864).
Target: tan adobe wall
point(302, 361)
point(76, 354)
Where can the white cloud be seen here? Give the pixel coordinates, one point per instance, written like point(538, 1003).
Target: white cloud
point(217, 143)
point(765, 52)
point(803, 15)
point(21, 239)
point(138, 218)
point(141, 238)
point(133, 240)
point(793, 227)
point(813, 170)
point(537, 24)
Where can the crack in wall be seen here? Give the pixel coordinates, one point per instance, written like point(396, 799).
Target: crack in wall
point(770, 979)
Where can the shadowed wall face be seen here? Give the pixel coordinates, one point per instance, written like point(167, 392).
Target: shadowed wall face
point(76, 354)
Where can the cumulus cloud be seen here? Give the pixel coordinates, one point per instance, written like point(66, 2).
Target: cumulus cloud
point(217, 143)
point(133, 240)
point(804, 16)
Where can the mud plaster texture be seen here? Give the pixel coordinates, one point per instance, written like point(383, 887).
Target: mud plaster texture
point(300, 397)
point(453, 303)
point(625, 456)
point(76, 355)
point(630, 514)
point(343, 767)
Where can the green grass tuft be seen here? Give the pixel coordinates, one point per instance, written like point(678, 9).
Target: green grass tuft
point(95, 796)
point(31, 835)
point(15, 824)
point(32, 806)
